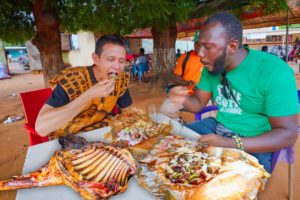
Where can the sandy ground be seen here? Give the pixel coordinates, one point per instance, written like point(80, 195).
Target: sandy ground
point(14, 144)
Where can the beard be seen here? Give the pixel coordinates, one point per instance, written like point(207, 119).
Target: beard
point(219, 65)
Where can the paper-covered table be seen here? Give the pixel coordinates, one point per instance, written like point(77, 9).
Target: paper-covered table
point(40, 154)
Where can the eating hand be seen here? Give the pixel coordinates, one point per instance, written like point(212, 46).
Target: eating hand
point(102, 88)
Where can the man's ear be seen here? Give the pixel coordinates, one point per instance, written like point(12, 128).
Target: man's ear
point(233, 46)
point(95, 57)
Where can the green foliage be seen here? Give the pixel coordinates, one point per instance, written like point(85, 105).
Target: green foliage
point(118, 16)
point(104, 16)
point(160, 13)
point(268, 6)
point(237, 7)
point(122, 17)
point(16, 20)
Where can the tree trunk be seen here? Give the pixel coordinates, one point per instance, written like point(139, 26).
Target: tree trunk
point(47, 39)
point(164, 55)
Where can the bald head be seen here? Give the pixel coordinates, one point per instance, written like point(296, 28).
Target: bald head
point(232, 27)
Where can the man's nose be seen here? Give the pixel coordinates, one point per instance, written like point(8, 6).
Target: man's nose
point(201, 51)
point(116, 65)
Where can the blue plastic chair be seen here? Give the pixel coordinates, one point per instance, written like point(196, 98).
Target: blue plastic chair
point(134, 71)
point(198, 115)
point(142, 69)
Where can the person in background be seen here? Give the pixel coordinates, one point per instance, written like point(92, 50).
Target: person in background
point(7, 57)
point(186, 73)
point(3, 71)
point(141, 58)
point(178, 54)
point(258, 115)
point(189, 67)
point(246, 46)
point(264, 49)
point(141, 65)
point(83, 97)
point(297, 55)
point(281, 53)
point(292, 55)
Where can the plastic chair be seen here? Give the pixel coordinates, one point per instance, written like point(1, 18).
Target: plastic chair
point(134, 71)
point(198, 115)
point(285, 154)
point(32, 102)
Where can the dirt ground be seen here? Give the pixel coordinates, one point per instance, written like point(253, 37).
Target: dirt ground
point(14, 143)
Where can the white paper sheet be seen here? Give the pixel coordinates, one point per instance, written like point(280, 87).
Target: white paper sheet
point(177, 128)
point(40, 154)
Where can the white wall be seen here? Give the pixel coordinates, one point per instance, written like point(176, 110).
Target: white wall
point(183, 45)
point(147, 44)
point(83, 55)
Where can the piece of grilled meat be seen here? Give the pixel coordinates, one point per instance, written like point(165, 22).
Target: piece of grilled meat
point(95, 170)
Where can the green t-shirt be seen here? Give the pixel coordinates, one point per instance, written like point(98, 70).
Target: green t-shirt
point(263, 85)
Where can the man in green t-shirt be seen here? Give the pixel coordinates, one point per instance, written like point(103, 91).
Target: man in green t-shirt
point(255, 92)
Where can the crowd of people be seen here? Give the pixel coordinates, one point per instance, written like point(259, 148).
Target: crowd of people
point(293, 55)
point(280, 52)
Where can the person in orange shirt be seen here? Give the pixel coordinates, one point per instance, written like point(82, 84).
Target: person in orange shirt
point(188, 75)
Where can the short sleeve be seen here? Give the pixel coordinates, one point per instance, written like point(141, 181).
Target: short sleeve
point(281, 94)
point(58, 97)
point(205, 82)
point(125, 100)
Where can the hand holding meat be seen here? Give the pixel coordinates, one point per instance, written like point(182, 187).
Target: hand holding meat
point(101, 89)
point(175, 101)
point(178, 94)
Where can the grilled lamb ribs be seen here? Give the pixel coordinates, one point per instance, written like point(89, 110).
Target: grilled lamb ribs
point(95, 170)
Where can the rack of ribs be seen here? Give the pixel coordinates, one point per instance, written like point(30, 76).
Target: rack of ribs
point(95, 170)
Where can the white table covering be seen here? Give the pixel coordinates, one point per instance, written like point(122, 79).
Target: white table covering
point(40, 154)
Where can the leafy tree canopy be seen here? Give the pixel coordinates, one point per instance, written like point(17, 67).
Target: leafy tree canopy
point(16, 20)
point(104, 16)
point(118, 16)
point(207, 7)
